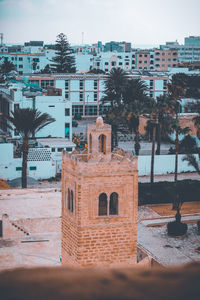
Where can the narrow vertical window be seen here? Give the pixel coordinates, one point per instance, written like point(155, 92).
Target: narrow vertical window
point(113, 205)
point(102, 143)
point(90, 143)
point(102, 204)
point(72, 201)
point(68, 200)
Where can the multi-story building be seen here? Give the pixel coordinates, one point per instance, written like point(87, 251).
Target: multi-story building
point(85, 91)
point(192, 41)
point(189, 52)
point(33, 59)
point(106, 61)
point(143, 60)
point(5, 108)
point(165, 58)
point(117, 46)
point(155, 59)
point(27, 62)
point(50, 101)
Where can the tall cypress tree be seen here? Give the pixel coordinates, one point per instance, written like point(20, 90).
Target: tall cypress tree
point(64, 61)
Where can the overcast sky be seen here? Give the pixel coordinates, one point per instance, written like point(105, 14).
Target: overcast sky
point(150, 22)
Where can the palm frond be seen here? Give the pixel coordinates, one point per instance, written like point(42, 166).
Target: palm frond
point(28, 121)
point(192, 161)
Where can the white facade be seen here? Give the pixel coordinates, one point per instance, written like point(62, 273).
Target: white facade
point(163, 164)
point(10, 167)
point(44, 161)
point(18, 95)
point(108, 60)
point(56, 106)
point(34, 59)
point(27, 62)
point(85, 91)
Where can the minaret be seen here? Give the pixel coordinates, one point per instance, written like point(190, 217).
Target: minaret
point(99, 203)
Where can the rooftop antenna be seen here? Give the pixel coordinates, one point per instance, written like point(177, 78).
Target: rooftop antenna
point(1, 35)
point(82, 37)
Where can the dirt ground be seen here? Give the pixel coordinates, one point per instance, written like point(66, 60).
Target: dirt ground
point(166, 209)
point(3, 185)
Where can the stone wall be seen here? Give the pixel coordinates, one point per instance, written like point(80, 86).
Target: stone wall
point(22, 228)
point(186, 120)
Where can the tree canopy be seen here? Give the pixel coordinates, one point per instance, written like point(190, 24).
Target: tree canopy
point(63, 61)
point(28, 121)
point(6, 67)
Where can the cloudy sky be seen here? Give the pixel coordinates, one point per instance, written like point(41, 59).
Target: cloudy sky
point(150, 22)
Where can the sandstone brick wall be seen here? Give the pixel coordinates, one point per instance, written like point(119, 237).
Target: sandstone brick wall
point(70, 241)
point(187, 121)
point(90, 239)
point(87, 237)
point(109, 244)
point(94, 131)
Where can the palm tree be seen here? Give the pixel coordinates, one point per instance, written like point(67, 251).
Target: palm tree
point(193, 87)
point(178, 86)
point(192, 161)
point(115, 118)
point(27, 122)
point(164, 120)
point(136, 103)
point(196, 108)
point(115, 85)
point(178, 131)
point(177, 89)
point(154, 112)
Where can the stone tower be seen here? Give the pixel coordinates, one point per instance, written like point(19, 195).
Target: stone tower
point(99, 203)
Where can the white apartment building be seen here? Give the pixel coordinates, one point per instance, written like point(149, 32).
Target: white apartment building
point(85, 91)
point(55, 105)
point(107, 60)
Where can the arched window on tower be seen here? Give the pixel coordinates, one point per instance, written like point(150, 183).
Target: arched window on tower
point(113, 205)
point(68, 200)
point(90, 143)
point(102, 143)
point(103, 204)
point(72, 201)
